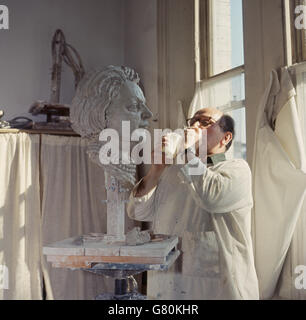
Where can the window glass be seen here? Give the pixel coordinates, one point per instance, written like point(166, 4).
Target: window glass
point(238, 149)
point(227, 94)
point(298, 33)
point(226, 35)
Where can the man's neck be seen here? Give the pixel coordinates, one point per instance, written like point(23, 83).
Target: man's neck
point(215, 158)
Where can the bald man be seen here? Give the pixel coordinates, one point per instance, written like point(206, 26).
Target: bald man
point(210, 212)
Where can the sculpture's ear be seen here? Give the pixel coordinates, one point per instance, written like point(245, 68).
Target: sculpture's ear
point(141, 86)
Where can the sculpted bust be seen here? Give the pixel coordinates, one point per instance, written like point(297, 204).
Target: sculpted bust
point(103, 100)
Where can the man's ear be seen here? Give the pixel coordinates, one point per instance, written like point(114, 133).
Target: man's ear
point(227, 138)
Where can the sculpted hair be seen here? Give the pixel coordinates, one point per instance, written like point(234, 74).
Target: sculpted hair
point(93, 97)
point(227, 124)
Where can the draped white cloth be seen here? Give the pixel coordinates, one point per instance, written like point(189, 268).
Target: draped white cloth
point(181, 119)
point(20, 217)
point(225, 92)
point(296, 255)
point(279, 179)
point(49, 191)
point(73, 190)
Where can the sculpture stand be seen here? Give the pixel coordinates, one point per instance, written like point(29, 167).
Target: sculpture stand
point(120, 262)
point(109, 255)
point(116, 199)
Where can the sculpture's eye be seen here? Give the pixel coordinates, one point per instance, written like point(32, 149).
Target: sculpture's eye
point(133, 107)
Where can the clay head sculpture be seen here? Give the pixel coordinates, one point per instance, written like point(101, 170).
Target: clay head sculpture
point(103, 100)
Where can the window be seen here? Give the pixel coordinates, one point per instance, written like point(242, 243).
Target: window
point(219, 34)
point(296, 18)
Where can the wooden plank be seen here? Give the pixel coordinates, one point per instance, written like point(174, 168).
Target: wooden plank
point(42, 131)
point(101, 249)
point(102, 252)
point(72, 265)
point(63, 251)
point(67, 247)
point(151, 249)
point(70, 247)
point(173, 255)
point(87, 260)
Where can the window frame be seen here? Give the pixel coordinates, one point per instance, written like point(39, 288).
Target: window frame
point(204, 39)
point(204, 51)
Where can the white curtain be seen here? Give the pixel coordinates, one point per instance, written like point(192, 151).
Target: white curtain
point(49, 191)
point(181, 119)
point(207, 94)
point(297, 252)
point(279, 179)
point(20, 271)
point(73, 190)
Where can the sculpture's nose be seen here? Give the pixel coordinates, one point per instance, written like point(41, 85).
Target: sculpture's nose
point(146, 113)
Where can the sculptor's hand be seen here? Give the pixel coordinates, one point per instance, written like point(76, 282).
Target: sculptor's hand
point(192, 137)
point(158, 157)
point(151, 179)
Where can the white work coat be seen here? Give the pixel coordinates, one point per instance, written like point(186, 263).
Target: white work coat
point(279, 184)
point(211, 214)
